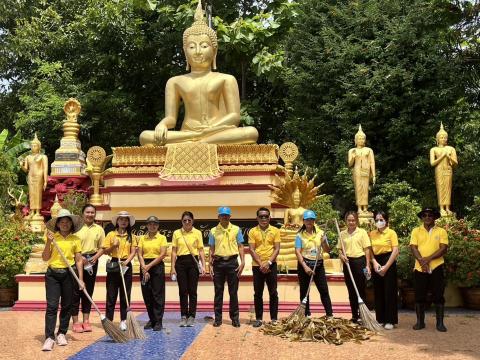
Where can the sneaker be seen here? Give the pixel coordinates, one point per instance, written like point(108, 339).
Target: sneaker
point(217, 323)
point(148, 325)
point(236, 323)
point(77, 328)
point(183, 322)
point(274, 322)
point(61, 340)
point(48, 345)
point(190, 321)
point(388, 326)
point(123, 325)
point(86, 326)
point(158, 327)
point(257, 323)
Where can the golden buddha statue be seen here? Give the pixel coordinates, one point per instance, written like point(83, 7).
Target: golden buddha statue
point(36, 165)
point(362, 160)
point(211, 99)
point(444, 159)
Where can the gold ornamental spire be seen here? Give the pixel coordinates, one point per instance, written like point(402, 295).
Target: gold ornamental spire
point(360, 132)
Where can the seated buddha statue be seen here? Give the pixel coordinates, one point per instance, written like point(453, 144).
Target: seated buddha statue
point(211, 99)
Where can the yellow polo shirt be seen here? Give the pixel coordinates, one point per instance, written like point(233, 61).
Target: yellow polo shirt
point(194, 239)
point(69, 246)
point(91, 238)
point(152, 247)
point(264, 241)
point(355, 243)
point(226, 241)
point(124, 248)
point(429, 242)
point(383, 242)
point(309, 243)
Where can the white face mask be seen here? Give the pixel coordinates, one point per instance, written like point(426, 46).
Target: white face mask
point(380, 224)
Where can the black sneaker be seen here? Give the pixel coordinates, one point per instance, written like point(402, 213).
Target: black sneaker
point(257, 323)
point(217, 323)
point(148, 325)
point(158, 327)
point(236, 323)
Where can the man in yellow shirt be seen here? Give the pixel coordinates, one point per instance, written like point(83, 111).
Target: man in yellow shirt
point(429, 243)
point(264, 244)
point(226, 243)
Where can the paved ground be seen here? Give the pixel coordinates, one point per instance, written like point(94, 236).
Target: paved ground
point(22, 337)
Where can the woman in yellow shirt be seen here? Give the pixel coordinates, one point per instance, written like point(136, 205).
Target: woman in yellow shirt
point(187, 251)
point(152, 249)
point(59, 283)
point(121, 244)
point(357, 254)
point(385, 251)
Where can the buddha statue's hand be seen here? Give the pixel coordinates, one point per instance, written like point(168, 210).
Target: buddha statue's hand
point(160, 136)
point(205, 130)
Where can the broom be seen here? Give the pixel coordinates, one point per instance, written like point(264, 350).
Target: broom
point(109, 327)
point(368, 319)
point(134, 330)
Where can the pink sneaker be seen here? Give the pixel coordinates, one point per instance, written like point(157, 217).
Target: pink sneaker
point(77, 328)
point(61, 340)
point(87, 327)
point(48, 345)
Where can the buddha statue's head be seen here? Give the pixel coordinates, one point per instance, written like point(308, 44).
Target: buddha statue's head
point(360, 137)
point(200, 42)
point(35, 145)
point(442, 136)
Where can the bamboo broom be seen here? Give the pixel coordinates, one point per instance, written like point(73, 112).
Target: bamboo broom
point(109, 327)
point(134, 330)
point(368, 319)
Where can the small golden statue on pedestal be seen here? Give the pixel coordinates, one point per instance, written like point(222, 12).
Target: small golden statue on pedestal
point(362, 160)
point(444, 159)
point(36, 166)
point(211, 99)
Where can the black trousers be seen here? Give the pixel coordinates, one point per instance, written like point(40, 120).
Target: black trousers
point(153, 292)
point(357, 265)
point(320, 280)
point(114, 286)
point(187, 278)
point(435, 282)
point(259, 281)
point(386, 292)
point(58, 285)
point(224, 270)
point(78, 295)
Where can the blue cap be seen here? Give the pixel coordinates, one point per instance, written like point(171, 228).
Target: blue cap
point(309, 214)
point(224, 210)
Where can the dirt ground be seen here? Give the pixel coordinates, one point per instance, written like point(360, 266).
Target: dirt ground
point(22, 338)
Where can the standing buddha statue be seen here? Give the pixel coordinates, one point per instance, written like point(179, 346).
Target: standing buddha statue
point(444, 159)
point(211, 99)
point(362, 160)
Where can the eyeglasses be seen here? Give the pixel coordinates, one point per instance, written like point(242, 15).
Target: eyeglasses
point(427, 215)
point(263, 216)
point(187, 220)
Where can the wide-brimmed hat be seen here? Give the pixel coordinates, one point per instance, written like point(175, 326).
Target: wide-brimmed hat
point(434, 211)
point(131, 218)
point(76, 220)
point(152, 219)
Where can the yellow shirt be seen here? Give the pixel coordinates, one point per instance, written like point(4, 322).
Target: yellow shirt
point(309, 243)
point(194, 239)
point(124, 247)
point(355, 243)
point(264, 241)
point(152, 247)
point(226, 241)
point(69, 246)
point(91, 238)
point(383, 242)
point(429, 242)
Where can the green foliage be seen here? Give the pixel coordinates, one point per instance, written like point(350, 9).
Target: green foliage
point(7, 181)
point(403, 215)
point(473, 217)
point(463, 256)
point(405, 262)
point(74, 201)
point(388, 191)
point(15, 248)
point(326, 214)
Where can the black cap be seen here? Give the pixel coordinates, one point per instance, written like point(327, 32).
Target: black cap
point(434, 211)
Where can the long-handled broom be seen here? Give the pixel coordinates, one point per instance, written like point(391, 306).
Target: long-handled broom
point(109, 327)
point(368, 319)
point(134, 330)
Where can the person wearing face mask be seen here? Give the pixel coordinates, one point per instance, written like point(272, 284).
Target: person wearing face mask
point(385, 251)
